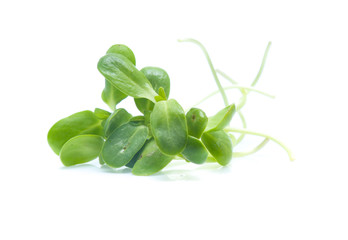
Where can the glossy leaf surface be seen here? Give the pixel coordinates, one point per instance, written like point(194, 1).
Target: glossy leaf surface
point(81, 149)
point(220, 120)
point(115, 120)
point(131, 163)
point(196, 122)
point(123, 50)
point(138, 119)
point(168, 126)
point(101, 113)
point(144, 104)
point(111, 95)
point(219, 146)
point(123, 75)
point(158, 78)
point(123, 144)
point(80, 123)
point(151, 160)
point(195, 151)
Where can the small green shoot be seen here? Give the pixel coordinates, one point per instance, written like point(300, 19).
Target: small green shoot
point(163, 131)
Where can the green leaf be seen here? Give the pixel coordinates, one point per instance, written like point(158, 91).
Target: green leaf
point(195, 151)
point(123, 144)
point(115, 120)
point(111, 95)
point(80, 123)
point(123, 75)
point(158, 79)
point(151, 160)
point(101, 114)
point(131, 163)
point(196, 122)
point(162, 93)
point(138, 119)
point(81, 149)
point(143, 104)
point(220, 120)
point(219, 146)
point(168, 126)
point(123, 50)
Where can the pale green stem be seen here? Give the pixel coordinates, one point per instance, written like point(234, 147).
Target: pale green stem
point(262, 135)
point(242, 118)
point(233, 139)
point(223, 94)
point(226, 76)
point(245, 93)
point(254, 150)
point(262, 64)
point(233, 87)
point(241, 101)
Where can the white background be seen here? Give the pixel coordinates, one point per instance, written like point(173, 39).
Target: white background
point(48, 56)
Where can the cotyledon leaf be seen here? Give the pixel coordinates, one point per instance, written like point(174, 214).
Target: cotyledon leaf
point(116, 119)
point(151, 160)
point(81, 149)
point(196, 122)
point(168, 126)
point(144, 104)
point(219, 146)
point(123, 144)
point(131, 163)
point(158, 78)
point(122, 74)
point(220, 120)
point(111, 95)
point(195, 151)
point(123, 50)
point(84, 122)
point(101, 113)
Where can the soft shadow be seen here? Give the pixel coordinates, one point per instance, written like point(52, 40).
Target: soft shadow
point(84, 166)
point(190, 174)
point(176, 171)
point(99, 169)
